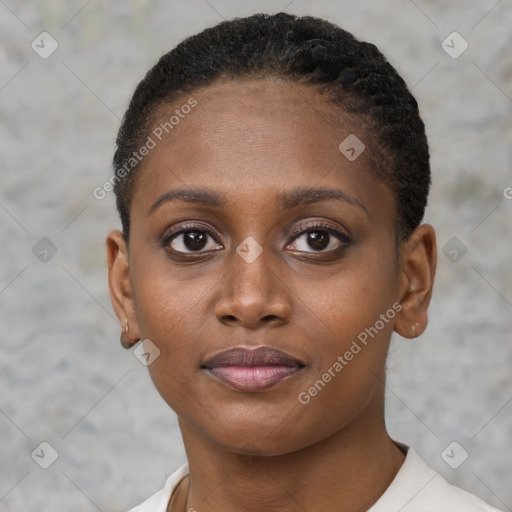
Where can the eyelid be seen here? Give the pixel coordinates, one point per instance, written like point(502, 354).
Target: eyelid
point(180, 228)
point(323, 225)
point(311, 225)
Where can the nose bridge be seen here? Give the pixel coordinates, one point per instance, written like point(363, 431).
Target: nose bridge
point(252, 278)
point(255, 293)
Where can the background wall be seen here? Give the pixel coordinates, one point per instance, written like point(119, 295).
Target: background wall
point(64, 378)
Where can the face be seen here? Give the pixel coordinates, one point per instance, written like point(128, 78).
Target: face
point(287, 244)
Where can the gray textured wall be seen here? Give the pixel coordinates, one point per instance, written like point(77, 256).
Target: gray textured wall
point(65, 380)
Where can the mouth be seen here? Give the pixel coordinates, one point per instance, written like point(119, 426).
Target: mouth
point(251, 370)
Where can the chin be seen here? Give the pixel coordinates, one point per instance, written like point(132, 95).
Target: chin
point(252, 436)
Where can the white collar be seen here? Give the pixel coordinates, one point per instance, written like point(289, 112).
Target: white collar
point(415, 488)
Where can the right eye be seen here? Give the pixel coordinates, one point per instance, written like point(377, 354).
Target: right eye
point(190, 239)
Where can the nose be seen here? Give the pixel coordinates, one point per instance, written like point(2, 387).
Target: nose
point(254, 295)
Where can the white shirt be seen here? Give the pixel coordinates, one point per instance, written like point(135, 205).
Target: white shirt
point(415, 488)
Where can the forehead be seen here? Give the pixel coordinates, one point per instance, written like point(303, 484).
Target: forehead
point(271, 115)
point(252, 137)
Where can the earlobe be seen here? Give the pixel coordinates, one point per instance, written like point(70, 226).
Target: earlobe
point(418, 260)
point(124, 339)
point(120, 287)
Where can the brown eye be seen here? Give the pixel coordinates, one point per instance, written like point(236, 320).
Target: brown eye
point(192, 239)
point(320, 239)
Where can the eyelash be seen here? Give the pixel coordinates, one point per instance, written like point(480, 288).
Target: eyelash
point(183, 228)
point(345, 239)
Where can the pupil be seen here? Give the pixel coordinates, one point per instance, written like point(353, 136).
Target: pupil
point(318, 240)
point(194, 240)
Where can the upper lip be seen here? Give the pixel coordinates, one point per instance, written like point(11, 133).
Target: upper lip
point(259, 356)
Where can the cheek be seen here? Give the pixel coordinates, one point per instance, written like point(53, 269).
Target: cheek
point(172, 308)
point(347, 371)
point(352, 299)
point(351, 316)
point(167, 299)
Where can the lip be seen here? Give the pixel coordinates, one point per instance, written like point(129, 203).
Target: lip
point(252, 369)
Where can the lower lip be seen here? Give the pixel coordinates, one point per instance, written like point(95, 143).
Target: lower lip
point(252, 378)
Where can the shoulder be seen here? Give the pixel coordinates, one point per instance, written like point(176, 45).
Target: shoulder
point(418, 488)
point(158, 502)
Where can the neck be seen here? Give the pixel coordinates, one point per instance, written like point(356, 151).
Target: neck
point(350, 469)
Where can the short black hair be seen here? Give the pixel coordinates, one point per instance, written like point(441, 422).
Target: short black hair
point(354, 74)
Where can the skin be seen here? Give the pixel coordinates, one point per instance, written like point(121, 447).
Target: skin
point(265, 450)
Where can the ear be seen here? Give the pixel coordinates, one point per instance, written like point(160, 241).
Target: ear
point(418, 261)
point(120, 287)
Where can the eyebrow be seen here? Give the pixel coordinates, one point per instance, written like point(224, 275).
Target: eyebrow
point(286, 200)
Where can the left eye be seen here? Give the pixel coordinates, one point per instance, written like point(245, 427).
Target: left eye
point(320, 239)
